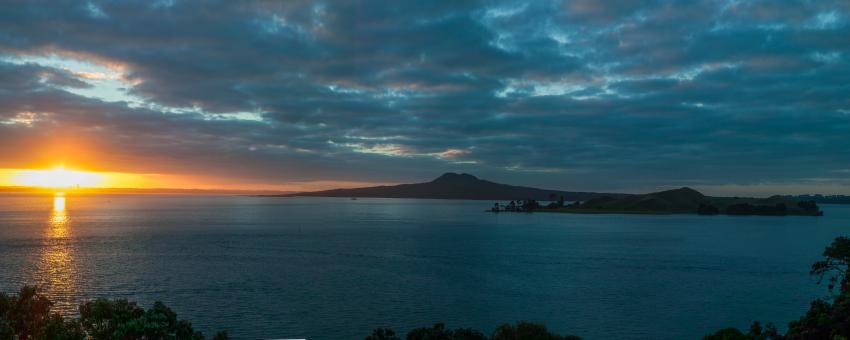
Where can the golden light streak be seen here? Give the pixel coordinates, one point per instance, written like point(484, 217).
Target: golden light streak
point(57, 269)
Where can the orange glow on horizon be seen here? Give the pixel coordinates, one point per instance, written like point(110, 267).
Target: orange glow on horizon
point(58, 177)
point(62, 179)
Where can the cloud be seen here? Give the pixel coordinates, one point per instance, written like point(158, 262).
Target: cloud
point(581, 95)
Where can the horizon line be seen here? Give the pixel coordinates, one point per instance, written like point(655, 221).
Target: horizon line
point(39, 189)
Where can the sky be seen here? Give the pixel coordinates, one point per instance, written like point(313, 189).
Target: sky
point(730, 97)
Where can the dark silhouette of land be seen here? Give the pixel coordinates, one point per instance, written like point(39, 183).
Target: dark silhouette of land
point(522, 330)
point(28, 315)
point(525, 199)
point(456, 186)
point(825, 199)
point(676, 201)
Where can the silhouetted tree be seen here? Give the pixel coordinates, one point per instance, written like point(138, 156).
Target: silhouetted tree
point(826, 318)
point(835, 264)
point(468, 334)
point(439, 332)
point(740, 209)
point(809, 206)
point(707, 209)
point(57, 328)
point(521, 331)
point(756, 332)
point(383, 334)
point(122, 319)
point(730, 333)
point(528, 331)
point(27, 316)
point(778, 209)
point(28, 313)
point(529, 205)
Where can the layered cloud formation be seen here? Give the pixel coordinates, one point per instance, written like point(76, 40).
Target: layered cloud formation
point(739, 96)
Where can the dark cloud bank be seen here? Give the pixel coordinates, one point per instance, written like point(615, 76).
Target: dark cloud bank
point(580, 95)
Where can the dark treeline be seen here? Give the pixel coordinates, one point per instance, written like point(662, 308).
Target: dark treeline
point(523, 330)
point(827, 318)
point(827, 199)
point(27, 316)
point(778, 209)
point(675, 201)
point(526, 205)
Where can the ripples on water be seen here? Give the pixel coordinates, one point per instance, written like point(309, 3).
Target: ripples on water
point(56, 270)
point(336, 268)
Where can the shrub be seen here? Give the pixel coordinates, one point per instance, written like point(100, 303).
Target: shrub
point(523, 330)
point(27, 316)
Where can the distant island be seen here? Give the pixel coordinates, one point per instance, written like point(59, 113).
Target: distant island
point(458, 186)
point(676, 201)
point(825, 199)
point(525, 199)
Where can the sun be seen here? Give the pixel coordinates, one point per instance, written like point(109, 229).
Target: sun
point(58, 177)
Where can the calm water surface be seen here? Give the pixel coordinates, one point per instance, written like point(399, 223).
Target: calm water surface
point(328, 268)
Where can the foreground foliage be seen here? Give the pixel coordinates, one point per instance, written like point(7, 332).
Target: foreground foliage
point(523, 330)
point(27, 316)
point(826, 318)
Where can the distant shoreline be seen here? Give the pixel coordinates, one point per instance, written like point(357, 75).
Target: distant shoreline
point(676, 201)
point(624, 212)
point(600, 212)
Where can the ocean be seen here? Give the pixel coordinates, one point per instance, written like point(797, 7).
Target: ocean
point(334, 268)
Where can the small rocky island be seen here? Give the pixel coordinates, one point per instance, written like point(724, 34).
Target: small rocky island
point(676, 201)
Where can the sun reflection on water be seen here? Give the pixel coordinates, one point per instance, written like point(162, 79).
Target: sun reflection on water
point(59, 218)
point(57, 270)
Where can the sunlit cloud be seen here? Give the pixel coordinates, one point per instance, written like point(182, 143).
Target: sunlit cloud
point(635, 94)
point(106, 82)
point(22, 118)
